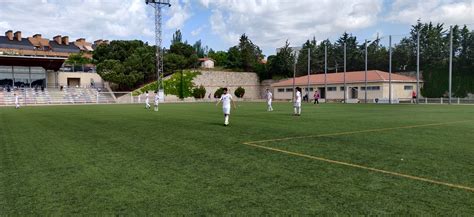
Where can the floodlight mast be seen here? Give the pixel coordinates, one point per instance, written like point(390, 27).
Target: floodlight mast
point(157, 5)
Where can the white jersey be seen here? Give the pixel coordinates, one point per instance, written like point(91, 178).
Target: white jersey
point(147, 99)
point(157, 99)
point(17, 99)
point(298, 97)
point(226, 98)
point(269, 96)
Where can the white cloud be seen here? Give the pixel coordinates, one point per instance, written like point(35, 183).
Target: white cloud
point(180, 12)
point(5, 25)
point(197, 31)
point(92, 19)
point(444, 11)
point(269, 23)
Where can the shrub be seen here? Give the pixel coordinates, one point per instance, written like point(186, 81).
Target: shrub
point(199, 92)
point(219, 93)
point(179, 84)
point(239, 92)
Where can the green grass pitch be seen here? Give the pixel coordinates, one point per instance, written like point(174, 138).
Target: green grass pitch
point(123, 159)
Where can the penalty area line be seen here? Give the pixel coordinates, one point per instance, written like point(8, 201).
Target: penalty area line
point(362, 167)
point(358, 131)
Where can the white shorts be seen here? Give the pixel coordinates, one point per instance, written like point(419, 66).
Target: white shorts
point(269, 102)
point(156, 103)
point(226, 110)
point(297, 104)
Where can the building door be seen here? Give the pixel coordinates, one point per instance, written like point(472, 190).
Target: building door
point(73, 82)
point(322, 92)
point(354, 92)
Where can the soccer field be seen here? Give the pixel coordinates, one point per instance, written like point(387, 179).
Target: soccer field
point(334, 159)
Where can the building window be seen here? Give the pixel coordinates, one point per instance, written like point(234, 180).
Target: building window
point(371, 88)
point(281, 90)
point(342, 88)
point(408, 87)
point(332, 88)
point(310, 89)
point(289, 89)
point(374, 88)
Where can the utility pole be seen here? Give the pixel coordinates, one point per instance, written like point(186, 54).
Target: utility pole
point(309, 71)
point(325, 73)
point(390, 69)
point(365, 91)
point(417, 66)
point(345, 88)
point(294, 78)
point(450, 63)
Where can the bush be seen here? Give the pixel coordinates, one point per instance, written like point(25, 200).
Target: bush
point(239, 92)
point(199, 92)
point(219, 93)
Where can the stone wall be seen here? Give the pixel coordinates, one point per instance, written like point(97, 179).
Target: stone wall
point(213, 80)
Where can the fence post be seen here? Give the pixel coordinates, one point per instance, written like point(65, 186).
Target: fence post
point(426, 100)
point(97, 98)
point(441, 100)
point(459, 101)
point(131, 97)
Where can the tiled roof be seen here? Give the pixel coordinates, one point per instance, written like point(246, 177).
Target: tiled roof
point(71, 48)
point(351, 77)
point(14, 44)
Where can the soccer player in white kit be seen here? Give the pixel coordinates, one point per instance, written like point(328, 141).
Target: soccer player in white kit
point(269, 96)
point(297, 103)
point(157, 100)
point(147, 100)
point(226, 99)
point(17, 101)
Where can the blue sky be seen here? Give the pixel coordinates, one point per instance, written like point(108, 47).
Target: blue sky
point(218, 23)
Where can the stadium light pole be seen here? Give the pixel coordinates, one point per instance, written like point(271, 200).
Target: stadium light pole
point(417, 66)
point(158, 5)
point(309, 71)
point(345, 70)
point(325, 72)
point(365, 74)
point(390, 69)
point(450, 62)
point(294, 78)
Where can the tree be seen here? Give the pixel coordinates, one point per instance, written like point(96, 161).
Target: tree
point(187, 53)
point(78, 59)
point(219, 57)
point(177, 37)
point(173, 63)
point(114, 71)
point(244, 56)
point(282, 64)
point(302, 63)
point(126, 63)
point(234, 59)
point(199, 49)
point(180, 84)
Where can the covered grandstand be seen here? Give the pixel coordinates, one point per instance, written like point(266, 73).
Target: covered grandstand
point(34, 67)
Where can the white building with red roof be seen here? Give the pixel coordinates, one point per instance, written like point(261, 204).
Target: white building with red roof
point(377, 86)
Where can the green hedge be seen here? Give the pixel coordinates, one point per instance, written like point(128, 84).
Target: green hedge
point(199, 92)
point(239, 92)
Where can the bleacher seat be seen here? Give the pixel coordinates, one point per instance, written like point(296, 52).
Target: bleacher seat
point(30, 96)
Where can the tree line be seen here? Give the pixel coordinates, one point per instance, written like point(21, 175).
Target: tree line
point(131, 64)
point(434, 57)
